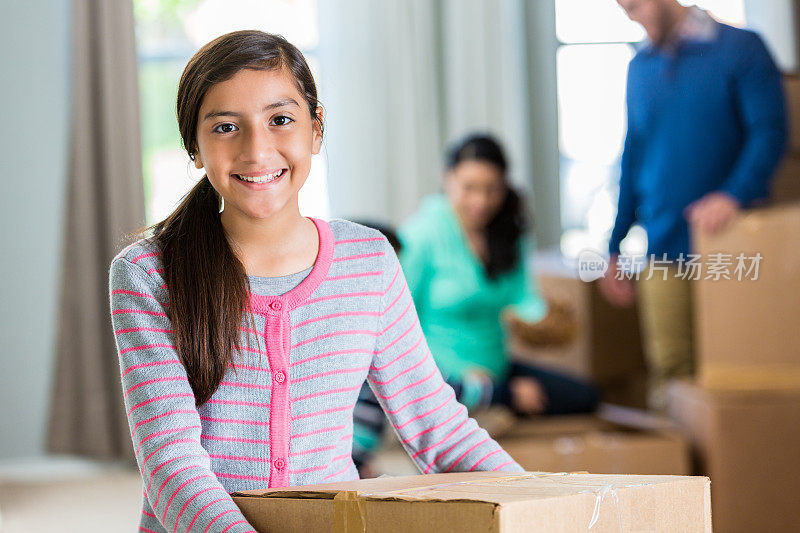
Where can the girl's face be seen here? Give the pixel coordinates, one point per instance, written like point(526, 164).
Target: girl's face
point(255, 140)
point(477, 190)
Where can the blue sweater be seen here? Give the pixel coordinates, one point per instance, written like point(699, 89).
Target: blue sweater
point(707, 116)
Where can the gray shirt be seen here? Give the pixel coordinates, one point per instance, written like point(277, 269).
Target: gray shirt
point(277, 286)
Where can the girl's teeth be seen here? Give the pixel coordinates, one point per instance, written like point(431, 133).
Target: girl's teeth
point(261, 179)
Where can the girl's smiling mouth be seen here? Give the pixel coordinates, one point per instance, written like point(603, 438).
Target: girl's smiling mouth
point(261, 178)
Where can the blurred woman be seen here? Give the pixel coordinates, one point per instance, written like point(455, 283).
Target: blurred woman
point(464, 257)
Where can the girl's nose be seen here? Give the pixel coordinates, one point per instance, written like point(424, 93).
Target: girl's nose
point(257, 144)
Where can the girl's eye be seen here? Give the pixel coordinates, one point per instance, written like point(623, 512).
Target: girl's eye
point(225, 128)
point(282, 120)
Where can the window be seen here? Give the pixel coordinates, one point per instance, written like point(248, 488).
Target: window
point(168, 32)
point(596, 43)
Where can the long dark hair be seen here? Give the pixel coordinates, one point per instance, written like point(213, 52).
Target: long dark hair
point(207, 283)
point(505, 229)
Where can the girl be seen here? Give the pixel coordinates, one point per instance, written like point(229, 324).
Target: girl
point(245, 330)
point(463, 255)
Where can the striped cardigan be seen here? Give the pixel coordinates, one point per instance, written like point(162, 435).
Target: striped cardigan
point(284, 415)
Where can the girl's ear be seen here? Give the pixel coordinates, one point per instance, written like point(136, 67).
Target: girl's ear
point(316, 125)
point(198, 163)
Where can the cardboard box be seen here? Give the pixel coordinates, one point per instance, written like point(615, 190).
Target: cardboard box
point(615, 440)
point(747, 330)
point(393, 460)
point(607, 417)
point(608, 347)
point(485, 502)
point(748, 442)
point(785, 185)
point(630, 390)
point(621, 442)
point(541, 427)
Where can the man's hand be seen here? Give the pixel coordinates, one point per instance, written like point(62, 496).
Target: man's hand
point(713, 212)
point(618, 292)
point(527, 395)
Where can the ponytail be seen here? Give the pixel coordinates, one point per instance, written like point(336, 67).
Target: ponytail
point(503, 234)
point(208, 288)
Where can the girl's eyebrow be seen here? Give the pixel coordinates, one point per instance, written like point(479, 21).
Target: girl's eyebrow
point(280, 103)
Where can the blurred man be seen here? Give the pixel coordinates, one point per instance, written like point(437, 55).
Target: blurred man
point(706, 129)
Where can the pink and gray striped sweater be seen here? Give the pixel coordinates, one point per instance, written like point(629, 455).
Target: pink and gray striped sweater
point(286, 416)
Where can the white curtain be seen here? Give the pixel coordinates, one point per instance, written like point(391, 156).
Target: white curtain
point(379, 85)
point(401, 79)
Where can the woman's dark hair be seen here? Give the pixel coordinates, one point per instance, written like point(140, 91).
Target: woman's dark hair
point(387, 231)
point(505, 229)
point(207, 283)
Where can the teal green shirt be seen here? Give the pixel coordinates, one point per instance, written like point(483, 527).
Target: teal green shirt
point(459, 307)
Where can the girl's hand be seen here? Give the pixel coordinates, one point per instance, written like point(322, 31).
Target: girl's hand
point(527, 395)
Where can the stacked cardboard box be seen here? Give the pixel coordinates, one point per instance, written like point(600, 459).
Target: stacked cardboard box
point(747, 329)
point(748, 443)
point(607, 348)
point(487, 502)
point(786, 185)
point(741, 414)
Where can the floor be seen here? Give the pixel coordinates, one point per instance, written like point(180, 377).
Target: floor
point(62, 494)
point(66, 494)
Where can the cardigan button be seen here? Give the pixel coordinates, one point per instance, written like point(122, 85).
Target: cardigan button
point(279, 464)
point(276, 306)
point(280, 376)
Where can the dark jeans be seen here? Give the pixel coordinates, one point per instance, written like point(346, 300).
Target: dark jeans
point(565, 394)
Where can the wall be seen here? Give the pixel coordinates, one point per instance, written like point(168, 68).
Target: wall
point(777, 21)
point(34, 95)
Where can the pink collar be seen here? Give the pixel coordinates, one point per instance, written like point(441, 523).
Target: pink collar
point(293, 298)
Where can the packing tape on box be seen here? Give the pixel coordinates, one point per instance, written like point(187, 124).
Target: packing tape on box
point(350, 513)
point(600, 492)
point(599, 495)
